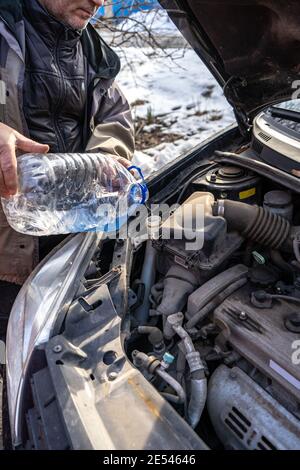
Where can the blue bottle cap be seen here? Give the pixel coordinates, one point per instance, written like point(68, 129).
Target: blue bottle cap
point(142, 185)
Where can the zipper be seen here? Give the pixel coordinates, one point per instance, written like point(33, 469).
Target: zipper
point(61, 97)
point(87, 131)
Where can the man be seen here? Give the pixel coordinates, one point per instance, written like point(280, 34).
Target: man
point(60, 97)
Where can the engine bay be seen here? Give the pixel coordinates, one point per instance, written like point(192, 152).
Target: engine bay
point(216, 330)
point(172, 344)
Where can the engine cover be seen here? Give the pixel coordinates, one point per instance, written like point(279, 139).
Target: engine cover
point(276, 141)
point(260, 335)
point(246, 417)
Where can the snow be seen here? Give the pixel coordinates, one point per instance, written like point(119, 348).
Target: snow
point(175, 86)
point(183, 93)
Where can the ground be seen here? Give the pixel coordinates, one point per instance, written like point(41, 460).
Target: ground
point(176, 104)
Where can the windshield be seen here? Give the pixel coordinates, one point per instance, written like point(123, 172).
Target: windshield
point(287, 115)
point(293, 105)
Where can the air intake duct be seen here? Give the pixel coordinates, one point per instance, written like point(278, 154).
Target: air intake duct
point(254, 223)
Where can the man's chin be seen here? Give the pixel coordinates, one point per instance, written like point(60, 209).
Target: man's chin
point(78, 23)
point(79, 19)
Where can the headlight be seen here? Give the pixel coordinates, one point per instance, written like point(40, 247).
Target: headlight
point(35, 311)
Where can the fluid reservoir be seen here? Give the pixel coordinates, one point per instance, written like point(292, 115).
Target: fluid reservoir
point(231, 182)
point(280, 203)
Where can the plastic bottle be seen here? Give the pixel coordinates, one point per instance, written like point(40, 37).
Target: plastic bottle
point(70, 193)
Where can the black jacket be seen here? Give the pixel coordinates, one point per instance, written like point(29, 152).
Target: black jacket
point(56, 80)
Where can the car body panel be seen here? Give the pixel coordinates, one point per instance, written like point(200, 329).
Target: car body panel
point(109, 406)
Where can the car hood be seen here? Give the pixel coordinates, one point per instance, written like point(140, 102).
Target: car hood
point(251, 47)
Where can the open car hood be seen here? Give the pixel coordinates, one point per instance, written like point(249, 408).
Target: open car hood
point(251, 47)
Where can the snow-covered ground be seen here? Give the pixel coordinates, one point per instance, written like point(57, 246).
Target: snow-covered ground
point(181, 92)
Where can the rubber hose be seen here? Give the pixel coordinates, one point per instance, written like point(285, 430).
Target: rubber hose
point(254, 223)
point(278, 261)
point(173, 383)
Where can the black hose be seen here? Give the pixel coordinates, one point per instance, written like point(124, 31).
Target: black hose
point(254, 223)
point(262, 296)
point(296, 244)
point(284, 266)
point(155, 337)
point(180, 366)
point(286, 297)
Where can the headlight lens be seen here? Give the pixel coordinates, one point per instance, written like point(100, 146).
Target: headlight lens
point(35, 311)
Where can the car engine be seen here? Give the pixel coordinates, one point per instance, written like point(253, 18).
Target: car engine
point(216, 330)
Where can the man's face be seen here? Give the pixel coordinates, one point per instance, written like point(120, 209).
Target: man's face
point(74, 13)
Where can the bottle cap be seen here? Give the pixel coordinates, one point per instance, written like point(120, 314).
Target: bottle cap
point(142, 185)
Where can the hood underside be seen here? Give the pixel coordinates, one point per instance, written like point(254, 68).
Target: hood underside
point(251, 47)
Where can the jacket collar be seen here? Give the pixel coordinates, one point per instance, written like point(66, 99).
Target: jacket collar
point(48, 27)
point(101, 57)
point(11, 13)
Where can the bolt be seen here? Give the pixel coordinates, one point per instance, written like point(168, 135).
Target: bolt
point(292, 322)
point(232, 374)
point(112, 375)
point(57, 349)
point(295, 319)
point(243, 316)
point(213, 177)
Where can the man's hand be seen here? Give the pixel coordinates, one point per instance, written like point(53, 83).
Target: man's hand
point(123, 161)
point(126, 163)
point(10, 140)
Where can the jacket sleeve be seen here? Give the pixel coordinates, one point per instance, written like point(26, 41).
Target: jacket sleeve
point(113, 132)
